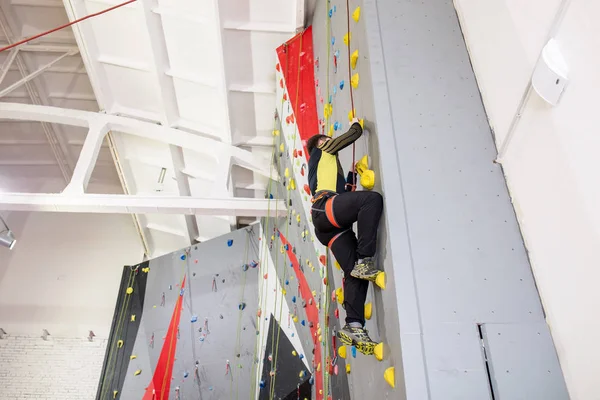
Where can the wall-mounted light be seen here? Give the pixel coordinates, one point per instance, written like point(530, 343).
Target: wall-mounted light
point(7, 238)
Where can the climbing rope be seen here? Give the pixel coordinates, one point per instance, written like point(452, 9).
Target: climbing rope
point(351, 94)
point(114, 346)
point(239, 324)
point(288, 215)
point(261, 296)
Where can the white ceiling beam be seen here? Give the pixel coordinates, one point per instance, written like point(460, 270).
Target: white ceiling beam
point(37, 95)
point(87, 158)
point(123, 62)
point(267, 88)
point(32, 75)
point(7, 63)
point(271, 27)
point(45, 48)
point(37, 3)
point(168, 97)
point(254, 141)
point(127, 204)
point(222, 68)
point(28, 112)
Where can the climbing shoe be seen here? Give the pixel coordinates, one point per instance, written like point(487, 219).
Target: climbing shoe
point(365, 270)
point(357, 337)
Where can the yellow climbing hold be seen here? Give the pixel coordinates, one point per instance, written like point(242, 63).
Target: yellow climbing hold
point(319, 367)
point(330, 132)
point(314, 292)
point(388, 375)
point(115, 394)
point(272, 237)
point(367, 179)
point(119, 344)
point(354, 80)
point(356, 14)
point(294, 353)
point(337, 265)
point(368, 310)
point(362, 164)
point(146, 269)
point(281, 148)
point(327, 110)
point(380, 280)
point(347, 368)
point(292, 184)
point(295, 318)
point(132, 357)
point(136, 373)
point(351, 114)
point(283, 291)
point(378, 351)
point(298, 219)
point(319, 331)
point(132, 317)
point(339, 295)
point(276, 132)
point(287, 173)
point(129, 290)
point(347, 38)
point(354, 59)
point(342, 351)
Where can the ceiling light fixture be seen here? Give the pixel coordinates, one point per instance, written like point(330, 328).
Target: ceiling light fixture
point(7, 238)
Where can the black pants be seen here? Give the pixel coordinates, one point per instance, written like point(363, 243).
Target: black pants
point(333, 218)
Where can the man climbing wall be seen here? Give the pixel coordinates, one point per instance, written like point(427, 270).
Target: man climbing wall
point(336, 207)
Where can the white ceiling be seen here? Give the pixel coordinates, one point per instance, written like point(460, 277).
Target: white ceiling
point(202, 66)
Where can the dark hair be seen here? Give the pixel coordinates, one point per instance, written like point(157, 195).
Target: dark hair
point(314, 142)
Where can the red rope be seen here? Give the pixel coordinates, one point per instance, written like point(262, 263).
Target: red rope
point(21, 42)
point(351, 97)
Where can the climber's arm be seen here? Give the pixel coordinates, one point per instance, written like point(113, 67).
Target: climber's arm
point(343, 141)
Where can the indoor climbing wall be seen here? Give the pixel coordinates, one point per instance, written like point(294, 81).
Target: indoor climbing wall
point(185, 324)
point(460, 317)
point(303, 270)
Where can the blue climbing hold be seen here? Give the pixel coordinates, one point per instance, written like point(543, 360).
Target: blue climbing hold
point(311, 381)
point(287, 246)
point(292, 265)
point(292, 334)
point(303, 323)
point(210, 388)
point(293, 299)
point(330, 99)
point(182, 257)
point(271, 195)
point(201, 338)
point(336, 126)
point(242, 306)
point(287, 282)
point(186, 374)
point(334, 8)
point(245, 267)
point(262, 384)
point(334, 90)
point(253, 264)
point(337, 54)
point(230, 242)
point(330, 12)
point(332, 40)
point(353, 352)
point(341, 85)
point(278, 233)
point(301, 356)
point(181, 292)
point(194, 319)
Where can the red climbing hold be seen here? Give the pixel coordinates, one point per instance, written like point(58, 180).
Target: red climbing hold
point(325, 281)
point(281, 83)
point(323, 259)
point(300, 153)
point(292, 118)
point(278, 67)
point(265, 276)
point(295, 153)
point(307, 189)
point(337, 313)
point(285, 96)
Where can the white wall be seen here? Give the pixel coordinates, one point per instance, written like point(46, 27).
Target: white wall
point(550, 166)
point(64, 272)
point(65, 369)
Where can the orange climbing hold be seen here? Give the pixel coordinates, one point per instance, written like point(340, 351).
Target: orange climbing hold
point(323, 259)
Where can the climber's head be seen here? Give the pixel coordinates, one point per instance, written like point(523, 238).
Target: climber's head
point(316, 141)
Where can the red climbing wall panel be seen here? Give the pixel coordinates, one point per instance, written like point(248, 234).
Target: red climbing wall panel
point(296, 61)
point(312, 313)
